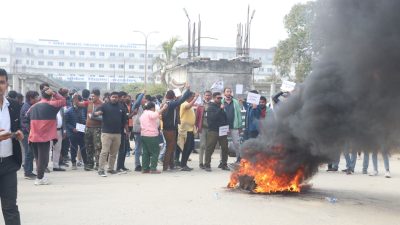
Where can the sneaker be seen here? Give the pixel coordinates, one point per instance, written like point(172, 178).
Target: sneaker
point(208, 169)
point(102, 173)
point(138, 168)
point(201, 166)
point(47, 170)
point(225, 167)
point(146, 171)
point(331, 170)
point(87, 168)
point(155, 172)
point(43, 181)
point(186, 168)
point(375, 173)
point(387, 174)
point(126, 169)
point(220, 165)
point(80, 164)
point(74, 167)
point(58, 169)
point(96, 167)
point(30, 176)
point(64, 164)
point(364, 172)
point(112, 172)
point(121, 171)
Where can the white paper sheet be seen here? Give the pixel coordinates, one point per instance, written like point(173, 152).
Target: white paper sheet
point(223, 131)
point(253, 98)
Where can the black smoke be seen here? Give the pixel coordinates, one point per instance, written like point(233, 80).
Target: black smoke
point(352, 96)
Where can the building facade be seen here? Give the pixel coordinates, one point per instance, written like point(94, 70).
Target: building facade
point(106, 66)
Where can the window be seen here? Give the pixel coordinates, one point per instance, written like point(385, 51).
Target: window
point(18, 49)
point(269, 70)
point(3, 59)
point(101, 75)
point(92, 53)
point(41, 63)
point(141, 67)
point(27, 62)
point(18, 61)
point(131, 55)
point(50, 63)
point(112, 65)
point(150, 55)
point(101, 65)
point(41, 51)
point(72, 52)
point(81, 75)
point(131, 67)
point(81, 53)
point(81, 64)
point(32, 62)
point(51, 52)
point(71, 64)
point(112, 54)
point(142, 55)
point(101, 54)
point(121, 66)
point(61, 52)
point(121, 54)
point(149, 67)
point(61, 64)
point(92, 65)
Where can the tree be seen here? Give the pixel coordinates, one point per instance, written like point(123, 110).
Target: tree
point(297, 51)
point(153, 89)
point(171, 53)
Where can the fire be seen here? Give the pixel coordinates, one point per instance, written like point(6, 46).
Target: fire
point(264, 177)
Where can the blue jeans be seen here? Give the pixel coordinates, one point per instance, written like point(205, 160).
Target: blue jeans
point(163, 147)
point(138, 148)
point(385, 157)
point(351, 157)
point(77, 140)
point(28, 165)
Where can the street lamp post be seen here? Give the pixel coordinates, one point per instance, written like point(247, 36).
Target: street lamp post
point(146, 36)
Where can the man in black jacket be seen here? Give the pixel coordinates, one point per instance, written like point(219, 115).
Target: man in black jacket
point(216, 118)
point(10, 153)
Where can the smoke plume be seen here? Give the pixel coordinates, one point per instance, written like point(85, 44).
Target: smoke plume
point(351, 99)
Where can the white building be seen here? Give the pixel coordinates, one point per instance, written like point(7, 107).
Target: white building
point(88, 65)
point(265, 56)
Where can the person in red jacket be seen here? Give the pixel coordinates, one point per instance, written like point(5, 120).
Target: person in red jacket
point(43, 116)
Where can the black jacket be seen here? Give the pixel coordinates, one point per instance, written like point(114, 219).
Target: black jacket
point(216, 117)
point(170, 117)
point(14, 109)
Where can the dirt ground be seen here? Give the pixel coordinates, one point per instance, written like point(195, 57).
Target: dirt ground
point(201, 198)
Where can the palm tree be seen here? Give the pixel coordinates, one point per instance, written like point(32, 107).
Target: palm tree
point(171, 53)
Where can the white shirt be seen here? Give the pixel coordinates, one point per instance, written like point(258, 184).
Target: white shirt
point(5, 123)
point(59, 120)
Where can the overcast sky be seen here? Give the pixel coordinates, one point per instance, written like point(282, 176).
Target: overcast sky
point(113, 21)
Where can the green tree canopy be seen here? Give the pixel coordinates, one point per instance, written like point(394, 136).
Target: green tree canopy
point(152, 89)
point(297, 51)
point(171, 53)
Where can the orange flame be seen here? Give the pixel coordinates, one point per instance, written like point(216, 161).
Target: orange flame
point(266, 179)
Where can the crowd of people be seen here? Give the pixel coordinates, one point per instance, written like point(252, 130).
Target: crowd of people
point(94, 131)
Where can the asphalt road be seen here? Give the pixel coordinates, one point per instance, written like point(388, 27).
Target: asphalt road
point(201, 198)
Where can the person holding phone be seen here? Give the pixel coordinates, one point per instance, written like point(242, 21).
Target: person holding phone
point(10, 153)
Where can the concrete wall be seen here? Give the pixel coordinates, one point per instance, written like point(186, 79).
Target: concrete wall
point(203, 74)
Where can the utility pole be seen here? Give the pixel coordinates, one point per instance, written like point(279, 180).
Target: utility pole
point(146, 36)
